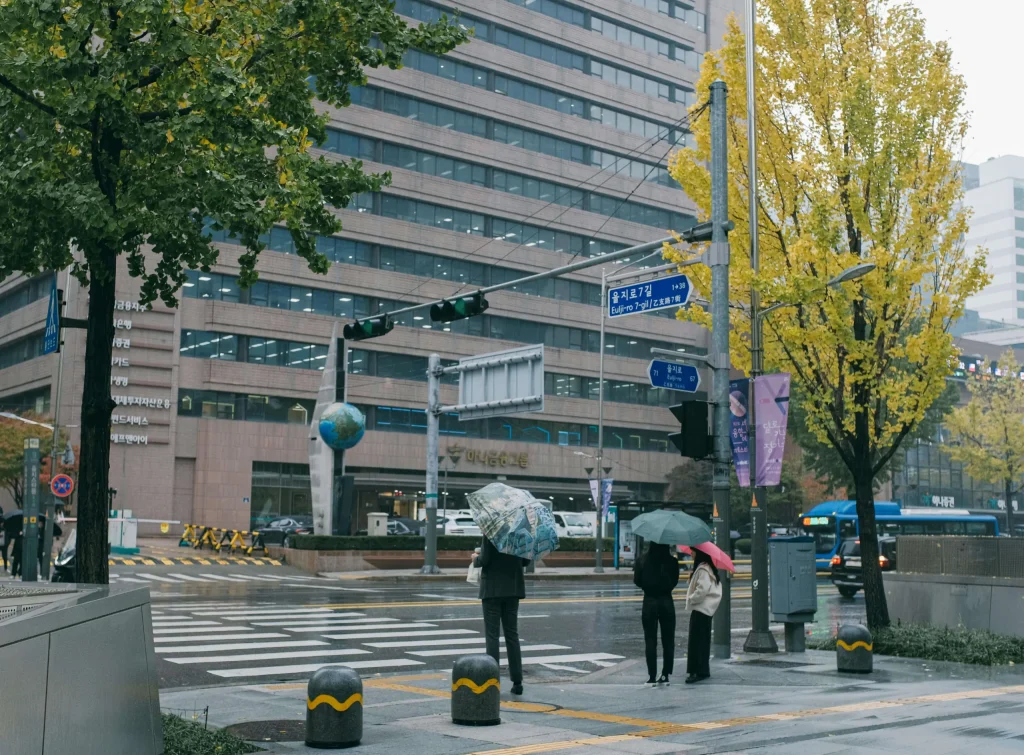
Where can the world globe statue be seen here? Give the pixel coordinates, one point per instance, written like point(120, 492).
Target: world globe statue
point(342, 426)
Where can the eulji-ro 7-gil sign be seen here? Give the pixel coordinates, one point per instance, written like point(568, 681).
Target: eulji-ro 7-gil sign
point(660, 293)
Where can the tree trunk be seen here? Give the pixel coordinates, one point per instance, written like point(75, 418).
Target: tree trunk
point(877, 607)
point(94, 469)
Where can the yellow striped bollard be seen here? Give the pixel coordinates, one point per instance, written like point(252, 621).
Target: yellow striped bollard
point(476, 691)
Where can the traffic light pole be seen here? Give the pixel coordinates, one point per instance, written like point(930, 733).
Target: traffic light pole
point(718, 261)
point(433, 442)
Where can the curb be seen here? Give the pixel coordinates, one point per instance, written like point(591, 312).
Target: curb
point(381, 576)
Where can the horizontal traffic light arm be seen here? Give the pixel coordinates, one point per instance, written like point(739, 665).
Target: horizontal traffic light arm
point(693, 235)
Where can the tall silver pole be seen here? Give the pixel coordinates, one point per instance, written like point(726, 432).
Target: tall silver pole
point(599, 518)
point(719, 263)
point(760, 638)
point(433, 441)
point(51, 500)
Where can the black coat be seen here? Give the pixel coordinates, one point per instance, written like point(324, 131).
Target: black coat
point(502, 575)
point(656, 572)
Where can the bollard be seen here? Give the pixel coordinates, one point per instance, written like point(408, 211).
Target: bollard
point(334, 708)
point(854, 649)
point(476, 691)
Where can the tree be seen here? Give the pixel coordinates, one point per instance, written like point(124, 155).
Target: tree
point(689, 481)
point(13, 434)
point(860, 126)
point(987, 435)
point(132, 128)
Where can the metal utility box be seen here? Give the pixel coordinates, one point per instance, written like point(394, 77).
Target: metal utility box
point(794, 579)
point(377, 525)
point(793, 586)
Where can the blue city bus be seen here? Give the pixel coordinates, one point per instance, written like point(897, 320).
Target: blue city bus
point(832, 522)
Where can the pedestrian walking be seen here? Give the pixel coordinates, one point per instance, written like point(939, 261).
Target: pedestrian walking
point(703, 595)
point(656, 572)
point(502, 586)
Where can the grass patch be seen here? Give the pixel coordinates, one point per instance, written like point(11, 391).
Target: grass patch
point(930, 643)
point(183, 737)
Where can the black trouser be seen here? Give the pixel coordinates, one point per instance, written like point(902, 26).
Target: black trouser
point(698, 648)
point(659, 609)
point(503, 613)
point(3, 550)
point(16, 557)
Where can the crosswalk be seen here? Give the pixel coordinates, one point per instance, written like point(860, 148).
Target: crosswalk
point(274, 641)
point(224, 577)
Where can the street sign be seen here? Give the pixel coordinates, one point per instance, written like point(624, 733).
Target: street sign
point(62, 485)
point(675, 377)
point(660, 293)
point(51, 336)
point(500, 383)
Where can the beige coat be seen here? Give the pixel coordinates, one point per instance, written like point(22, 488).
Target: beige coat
point(704, 592)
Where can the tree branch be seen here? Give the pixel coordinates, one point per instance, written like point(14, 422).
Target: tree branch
point(26, 96)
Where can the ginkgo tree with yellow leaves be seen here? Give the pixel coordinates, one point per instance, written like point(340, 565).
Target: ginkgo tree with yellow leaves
point(987, 434)
point(860, 121)
point(133, 128)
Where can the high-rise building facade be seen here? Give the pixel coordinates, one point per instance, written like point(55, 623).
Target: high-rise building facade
point(997, 225)
point(543, 140)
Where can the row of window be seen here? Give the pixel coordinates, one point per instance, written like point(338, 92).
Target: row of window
point(537, 48)
point(421, 161)
point(21, 350)
point(487, 128)
point(275, 352)
point(249, 407)
point(25, 294)
point(221, 287)
point(570, 14)
point(36, 401)
point(424, 265)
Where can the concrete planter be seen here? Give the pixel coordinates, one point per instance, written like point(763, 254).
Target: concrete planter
point(316, 562)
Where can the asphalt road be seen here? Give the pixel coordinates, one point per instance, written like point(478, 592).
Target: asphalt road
point(248, 624)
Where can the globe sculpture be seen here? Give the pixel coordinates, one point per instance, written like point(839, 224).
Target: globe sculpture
point(342, 426)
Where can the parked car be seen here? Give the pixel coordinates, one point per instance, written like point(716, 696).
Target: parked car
point(847, 572)
point(573, 524)
point(283, 531)
point(458, 524)
point(401, 525)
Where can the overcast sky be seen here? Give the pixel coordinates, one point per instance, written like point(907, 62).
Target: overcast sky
point(986, 39)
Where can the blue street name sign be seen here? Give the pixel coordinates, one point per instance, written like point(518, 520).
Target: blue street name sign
point(675, 377)
point(51, 336)
point(660, 293)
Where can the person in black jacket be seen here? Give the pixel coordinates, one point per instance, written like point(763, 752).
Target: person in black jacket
point(656, 572)
point(502, 586)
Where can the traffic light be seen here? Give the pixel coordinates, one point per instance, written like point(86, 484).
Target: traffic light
point(693, 439)
point(458, 309)
point(371, 327)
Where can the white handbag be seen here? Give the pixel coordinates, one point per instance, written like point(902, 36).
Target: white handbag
point(473, 577)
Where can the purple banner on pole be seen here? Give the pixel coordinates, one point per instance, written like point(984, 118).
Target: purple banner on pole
point(739, 434)
point(771, 392)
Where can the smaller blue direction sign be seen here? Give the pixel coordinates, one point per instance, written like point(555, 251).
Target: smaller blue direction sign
point(51, 337)
point(675, 377)
point(660, 293)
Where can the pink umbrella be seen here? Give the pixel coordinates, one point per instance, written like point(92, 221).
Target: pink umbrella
point(719, 557)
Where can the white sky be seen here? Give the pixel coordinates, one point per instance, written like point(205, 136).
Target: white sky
point(986, 39)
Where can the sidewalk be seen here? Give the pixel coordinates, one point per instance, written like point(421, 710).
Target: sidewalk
point(624, 574)
point(784, 704)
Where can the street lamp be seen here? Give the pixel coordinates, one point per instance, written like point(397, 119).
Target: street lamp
point(760, 639)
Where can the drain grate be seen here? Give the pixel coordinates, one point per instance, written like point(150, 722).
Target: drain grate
point(285, 730)
point(774, 664)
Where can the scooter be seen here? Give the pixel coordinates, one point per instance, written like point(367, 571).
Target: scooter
point(64, 567)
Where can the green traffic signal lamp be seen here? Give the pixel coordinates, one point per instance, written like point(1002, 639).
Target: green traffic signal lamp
point(371, 327)
point(458, 309)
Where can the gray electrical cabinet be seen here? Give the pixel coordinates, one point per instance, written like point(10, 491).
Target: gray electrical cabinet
point(793, 582)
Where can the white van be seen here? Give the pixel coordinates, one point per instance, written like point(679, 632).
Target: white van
point(573, 524)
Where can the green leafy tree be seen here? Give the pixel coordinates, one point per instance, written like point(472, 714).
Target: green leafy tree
point(987, 435)
point(13, 434)
point(128, 128)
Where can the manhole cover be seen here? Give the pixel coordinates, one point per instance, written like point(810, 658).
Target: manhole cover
point(270, 731)
point(774, 664)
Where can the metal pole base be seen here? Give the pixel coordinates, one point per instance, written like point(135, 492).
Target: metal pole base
point(760, 642)
point(430, 569)
point(598, 570)
point(796, 641)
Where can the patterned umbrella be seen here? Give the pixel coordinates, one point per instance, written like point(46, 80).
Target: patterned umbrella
point(516, 522)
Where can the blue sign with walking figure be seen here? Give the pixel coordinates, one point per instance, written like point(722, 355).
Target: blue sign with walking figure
point(675, 377)
point(51, 336)
point(660, 293)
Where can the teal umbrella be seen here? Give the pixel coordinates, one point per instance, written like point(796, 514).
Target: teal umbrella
point(671, 528)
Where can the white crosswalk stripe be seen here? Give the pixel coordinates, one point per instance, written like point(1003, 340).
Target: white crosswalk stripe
point(222, 578)
point(480, 649)
point(360, 627)
point(215, 637)
point(572, 658)
point(236, 673)
point(326, 653)
point(313, 621)
point(320, 616)
point(201, 630)
point(267, 612)
point(424, 643)
point(417, 633)
point(158, 578)
point(222, 647)
point(190, 578)
point(176, 623)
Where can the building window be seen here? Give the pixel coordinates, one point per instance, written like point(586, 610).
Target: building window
point(21, 350)
point(1018, 195)
point(1018, 223)
point(29, 402)
point(25, 294)
point(278, 491)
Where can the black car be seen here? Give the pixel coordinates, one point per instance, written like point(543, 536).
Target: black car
point(400, 525)
point(846, 564)
point(283, 531)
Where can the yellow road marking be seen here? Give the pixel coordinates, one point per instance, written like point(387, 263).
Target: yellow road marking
point(127, 562)
point(203, 561)
point(223, 562)
point(256, 561)
point(476, 689)
point(167, 561)
point(148, 561)
point(328, 700)
point(274, 561)
point(186, 561)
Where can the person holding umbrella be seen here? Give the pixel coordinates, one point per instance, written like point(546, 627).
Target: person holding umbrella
point(703, 595)
point(656, 572)
point(517, 529)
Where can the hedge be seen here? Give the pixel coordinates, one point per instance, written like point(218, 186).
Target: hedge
point(930, 643)
point(417, 543)
point(743, 546)
point(183, 737)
